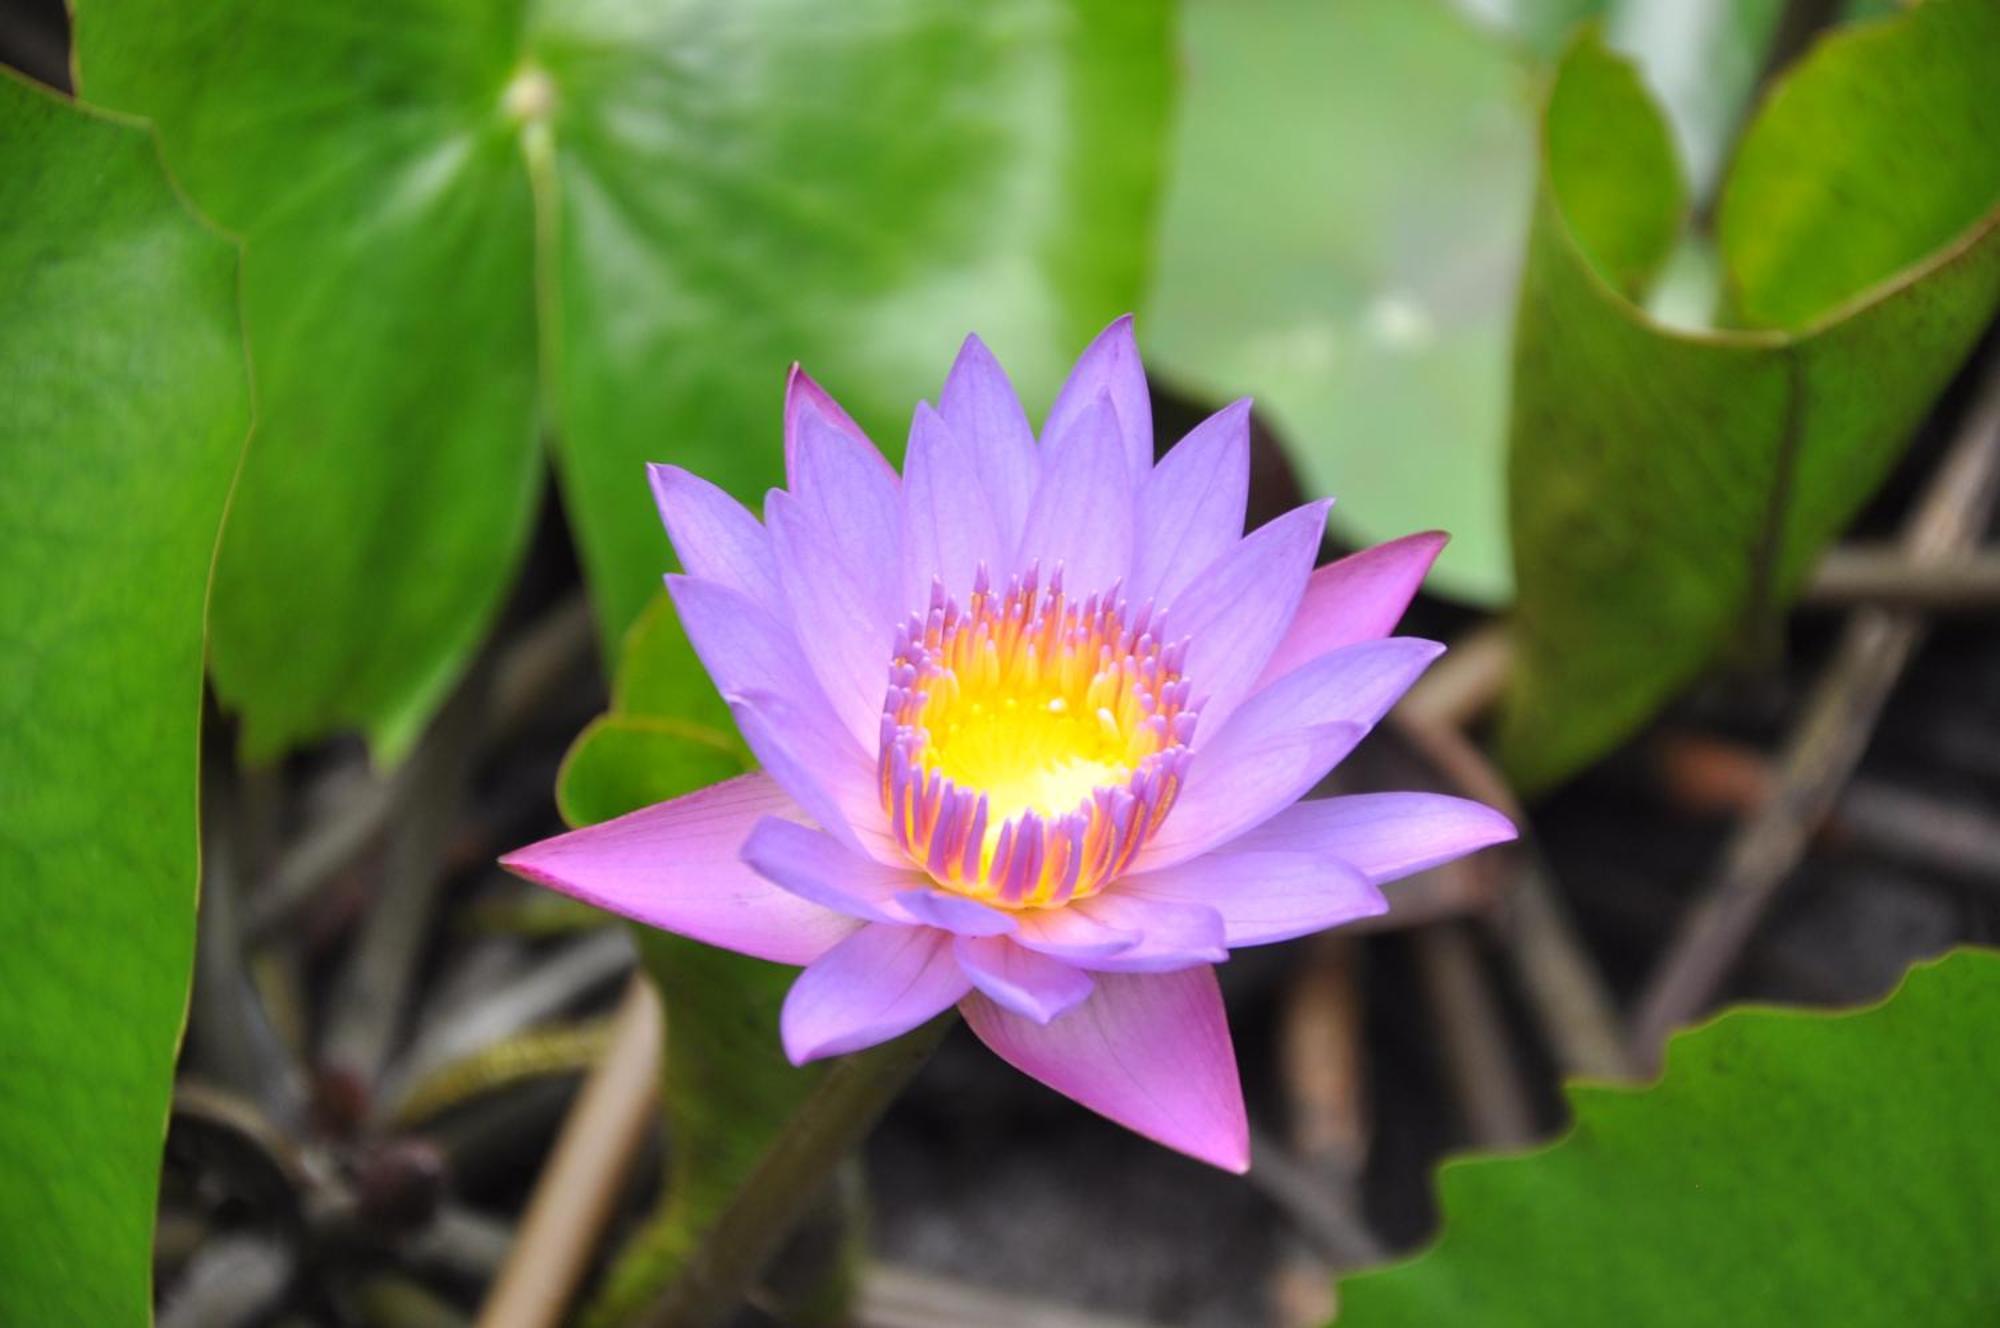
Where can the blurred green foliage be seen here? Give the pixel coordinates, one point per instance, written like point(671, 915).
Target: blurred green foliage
point(1339, 240)
point(1788, 1167)
point(469, 222)
point(1670, 489)
point(120, 443)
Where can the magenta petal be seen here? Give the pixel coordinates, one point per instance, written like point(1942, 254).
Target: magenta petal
point(715, 537)
point(1354, 684)
point(1384, 836)
point(1191, 506)
point(1032, 985)
point(1150, 1051)
point(1263, 896)
point(948, 526)
point(1081, 516)
point(743, 646)
point(676, 866)
point(806, 400)
point(1248, 777)
point(1109, 366)
point(1358, 598)
point(1237, 609)
point(879, 983)
point(1071, 935)
point(980, 405)
point(955, 913)
point(816, 866)
point(843, 602)
point(819, 765)
point(1172, 934)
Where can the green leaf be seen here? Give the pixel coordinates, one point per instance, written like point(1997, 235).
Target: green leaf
point(728, 1087)
point(1339, 240)
point(469, 216)
point(621, 763)
point(121, 363)
point(1788, 1167)
point(1669, 489)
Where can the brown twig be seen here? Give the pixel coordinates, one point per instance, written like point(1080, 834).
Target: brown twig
point(1321, 1053)
point(1711, 775)
point(1564, 990)
point(1473, 1037)
point(894, 1297)
point(1887, 576)
point(586, 1172)
point(1826, 745)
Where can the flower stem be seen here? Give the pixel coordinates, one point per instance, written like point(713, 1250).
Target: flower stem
point(791, 1175)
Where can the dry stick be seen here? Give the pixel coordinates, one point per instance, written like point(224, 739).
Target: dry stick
point(1484, 1077)
point(580, 1184)
point(894, 1297)
point(791, 1175)
point(1956, 839)
point(1563, 987)
point(1324, 1072)
point(1865, 574)
point(1826, 745)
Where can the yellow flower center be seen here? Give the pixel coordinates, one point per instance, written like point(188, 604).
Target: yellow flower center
point(1031, 744)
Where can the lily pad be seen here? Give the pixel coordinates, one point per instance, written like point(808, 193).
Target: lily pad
point(1670, 490)
point(1788, 1167)
point(471, 221)
point(121, 363)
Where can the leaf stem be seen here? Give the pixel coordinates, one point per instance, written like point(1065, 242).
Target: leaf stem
point(794, 1170)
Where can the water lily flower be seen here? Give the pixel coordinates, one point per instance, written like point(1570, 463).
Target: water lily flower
point(1035, 719)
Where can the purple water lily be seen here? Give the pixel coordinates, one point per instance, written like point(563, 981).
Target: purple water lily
point(1034, 722)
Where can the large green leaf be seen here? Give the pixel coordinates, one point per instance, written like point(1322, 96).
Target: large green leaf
point(1788, 1168)
point(465, 216)
point(1668, 489)
point(728, 1086)
point(1339, 239)
point(127, 401)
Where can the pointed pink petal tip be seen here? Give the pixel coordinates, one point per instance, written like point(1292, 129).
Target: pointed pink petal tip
point(1149, 1051)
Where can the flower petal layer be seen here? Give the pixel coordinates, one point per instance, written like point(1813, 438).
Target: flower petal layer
point(1110, 367)
point(879, 983)
point(815, 866)
point(1264, 896)
point(980, 405)
point(949, 530)
point(1113, 933)
point(1355, 684)
point(955, 913)
point(1031, 985)
point(1236, 609)
point(818, 764)
point(1150, 1051)
point(1358, 598)
point(1081, 516)
point(715, 537)
point(806, 401)
point(675, 866)
point(1191, 506)
point(1384, 836)
point(1243, 781)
